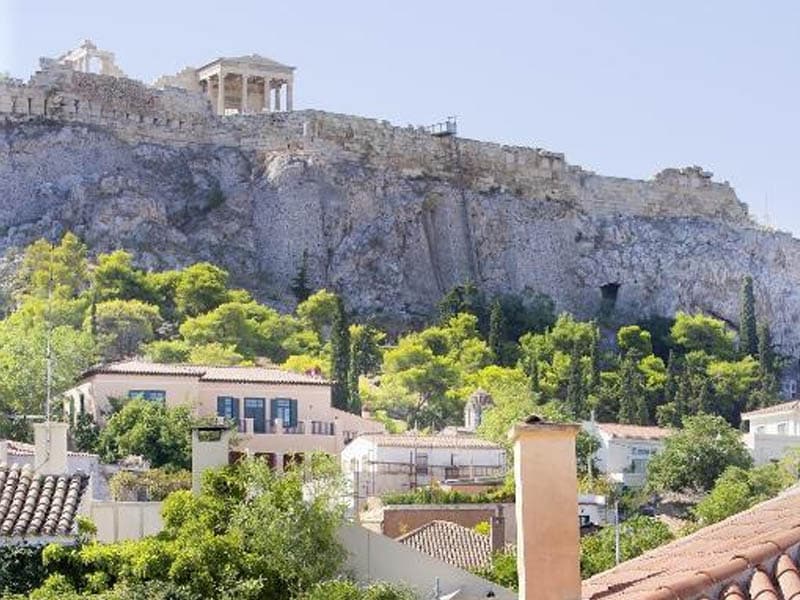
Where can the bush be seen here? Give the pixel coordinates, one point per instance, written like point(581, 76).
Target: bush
point(21, 569)
point(153, 485)
point(436, 495)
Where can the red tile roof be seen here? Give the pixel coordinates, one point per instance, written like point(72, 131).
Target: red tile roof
point(22, 449)
point(775, 408)
point(208, 373)
point(451, 543)
point(749, 556)
point(618, 430)
point(410, 440)
point(38, 505)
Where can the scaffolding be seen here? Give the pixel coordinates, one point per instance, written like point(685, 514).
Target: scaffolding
point(443, 129)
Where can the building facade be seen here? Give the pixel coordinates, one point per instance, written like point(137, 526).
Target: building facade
point(278, 414)
point(625, 450)
point(772, 431)
point(379, 463)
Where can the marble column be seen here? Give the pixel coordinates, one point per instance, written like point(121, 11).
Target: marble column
point(244, 108)
point(278, 96)
point(289, 95)
point(221, 93)
point(267, 95)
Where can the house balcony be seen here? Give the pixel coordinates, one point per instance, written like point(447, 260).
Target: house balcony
point(304, 436)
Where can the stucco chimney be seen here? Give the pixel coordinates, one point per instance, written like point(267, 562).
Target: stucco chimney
point(548, 537)
point(209, 450)
point(50, 448)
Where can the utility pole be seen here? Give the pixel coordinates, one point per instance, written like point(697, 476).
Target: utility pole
point(616, 533)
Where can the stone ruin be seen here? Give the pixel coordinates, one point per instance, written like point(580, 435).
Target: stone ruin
point(247, 102)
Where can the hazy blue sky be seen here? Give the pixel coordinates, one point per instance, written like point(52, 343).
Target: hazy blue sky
point(621, 87)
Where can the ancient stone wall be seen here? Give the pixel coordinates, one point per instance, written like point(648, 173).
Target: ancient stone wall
point(140, 113)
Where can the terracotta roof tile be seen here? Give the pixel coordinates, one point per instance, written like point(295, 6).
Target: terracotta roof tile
point(619, 430)
point(749, 556)
point(451, 543)
point(775, 408)
point(208, 373)
point(35, 505)
point(407, 440)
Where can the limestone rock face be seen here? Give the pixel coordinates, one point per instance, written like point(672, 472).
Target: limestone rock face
point(393, 236)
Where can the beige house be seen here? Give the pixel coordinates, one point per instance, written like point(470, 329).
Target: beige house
point(279, 414)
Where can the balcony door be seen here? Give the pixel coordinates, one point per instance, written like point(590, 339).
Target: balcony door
point(255, 408)
point(284, 409)
point(228, 408)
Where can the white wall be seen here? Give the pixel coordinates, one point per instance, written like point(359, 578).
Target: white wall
point(375, 557)
point(117, 521)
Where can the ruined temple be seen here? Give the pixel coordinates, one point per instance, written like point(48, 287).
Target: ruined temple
point(214, 164)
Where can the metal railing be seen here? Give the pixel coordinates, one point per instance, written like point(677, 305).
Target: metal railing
point(445, 128)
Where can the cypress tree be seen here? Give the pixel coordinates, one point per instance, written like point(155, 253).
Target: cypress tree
point(340, 357)
point(671, 384)
point(632, 406)
point(748, 338)
point(767, 372)
point(575, 385)
point(594, 382)
point(300, 287)
point(497, 326)
point(534, 371)
point(354, 398)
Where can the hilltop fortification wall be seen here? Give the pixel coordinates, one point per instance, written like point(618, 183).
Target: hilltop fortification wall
point(139, 113)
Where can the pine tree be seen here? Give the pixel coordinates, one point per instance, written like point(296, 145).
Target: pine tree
point(748, 339)
point(705, 399)
point(576, 400)
point(340, 357)
point(497, 326)
point(300, 287)
point(632, 405)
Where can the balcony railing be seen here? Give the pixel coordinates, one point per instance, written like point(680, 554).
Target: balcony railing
point(247, 426)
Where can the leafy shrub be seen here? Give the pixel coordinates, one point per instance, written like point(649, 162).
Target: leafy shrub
point(152, 485)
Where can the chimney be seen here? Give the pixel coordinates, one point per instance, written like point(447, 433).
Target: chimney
point(497, 526)
point(209, 450)
point(50, 443)
point(548, 538)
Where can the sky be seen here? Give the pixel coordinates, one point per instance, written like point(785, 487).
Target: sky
point(622, 87)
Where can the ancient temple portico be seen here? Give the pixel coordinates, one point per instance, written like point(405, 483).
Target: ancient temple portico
point(247, 84)
point(87, 58)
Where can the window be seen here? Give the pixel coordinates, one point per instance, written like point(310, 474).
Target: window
point(451, 472)
point(149, 395)
point(255, 408)
point(422, 463)
point(284, 409)
point(760, 429)
point(228, 407)
point(781, 428)
point(639, 465)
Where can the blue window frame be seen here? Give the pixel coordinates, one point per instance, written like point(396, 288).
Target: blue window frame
point(284, 409)
point(228, 407)
point(149, 395)
point(255, 408)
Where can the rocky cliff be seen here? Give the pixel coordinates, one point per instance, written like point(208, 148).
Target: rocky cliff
point(391, 217)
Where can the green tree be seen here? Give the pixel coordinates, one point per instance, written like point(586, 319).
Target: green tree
point(251, 328)
point(635, 341)
point(216, 354)
point(502, 570)
point(497, 332)
point(576, 388)
point(59, 271)
point(161, 435)
point(318, 312)
point(300, 287)
point(748, 338)
point(167, 351)
point(115, 278)
point(85, 433)
point(463, 298)
point(637, 535)
point(122, 326)
point(365, 358)
point(695, 456)
point(340, 358)
point(702, 333)
point(202, 287)
point(738, 489)
point(632, 404)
